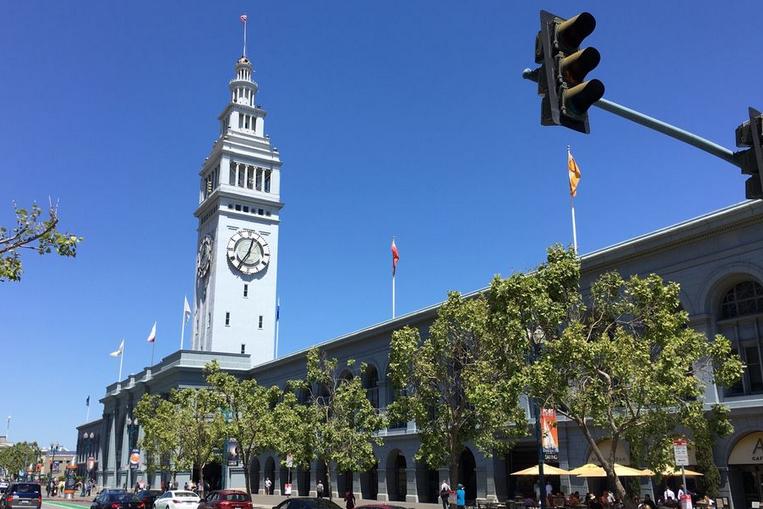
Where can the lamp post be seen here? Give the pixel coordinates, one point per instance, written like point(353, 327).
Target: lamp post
point(54, 448)
point(87, 450)
point(132, 440)
point(537, 340)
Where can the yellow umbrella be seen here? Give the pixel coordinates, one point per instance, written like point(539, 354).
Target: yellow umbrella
point(677, 472)
point(593, 470)
point(547, 470)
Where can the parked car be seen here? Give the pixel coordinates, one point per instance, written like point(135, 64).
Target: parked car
point(178, 499)
point(148, 497)
point(22, 494)
point(383, 506)
point(116, 499)
point(227, 499)
point(307, 503)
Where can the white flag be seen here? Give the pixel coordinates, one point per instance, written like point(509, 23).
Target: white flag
point(186, 309)
point(118, 351)
point(152, 335)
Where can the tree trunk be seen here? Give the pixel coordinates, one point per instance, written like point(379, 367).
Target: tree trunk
point(247, 473)
point(200, 486)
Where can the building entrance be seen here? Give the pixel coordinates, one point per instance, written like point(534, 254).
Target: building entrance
point(746, 470)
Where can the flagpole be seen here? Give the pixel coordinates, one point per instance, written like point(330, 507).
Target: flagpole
point(121, 358)
point(182, 329)
point(278, 315)
point(245, 37)
point(153, 345)
point(87, 417)
point(574, 226)
point(393, 293)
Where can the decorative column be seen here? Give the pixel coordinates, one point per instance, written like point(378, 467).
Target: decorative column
point(382, 495)
point(486, 481)
point(411, 491)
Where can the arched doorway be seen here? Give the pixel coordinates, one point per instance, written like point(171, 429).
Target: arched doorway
point(270, 473)
point(213, 476)
point(467, 475)
point(397, 482)
point(427, 483)
point(254, 475)
point(303, 481)
point(746, 469)
point(369, 483)
point(344, 482)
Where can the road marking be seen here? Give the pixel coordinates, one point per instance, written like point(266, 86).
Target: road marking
point(64, 505)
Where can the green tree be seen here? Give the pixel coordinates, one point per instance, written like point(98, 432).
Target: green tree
point(335, 424)
point(18, 457)
point(621, 362)
point(444, 389)
point(183, 431)
point(34, 233)
point(248, 408)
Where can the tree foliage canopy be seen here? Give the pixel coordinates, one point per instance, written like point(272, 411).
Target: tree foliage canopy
point(446, 386)
point(18, 457)
point(621, 362)
point(34, 233)
point(333, 422)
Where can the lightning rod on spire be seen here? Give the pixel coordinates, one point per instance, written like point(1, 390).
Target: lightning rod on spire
point(243, 19)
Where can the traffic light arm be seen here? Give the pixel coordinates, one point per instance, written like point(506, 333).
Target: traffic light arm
point(657, 125)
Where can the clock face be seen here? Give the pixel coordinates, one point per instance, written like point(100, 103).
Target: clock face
point(204, 256)
point(248, 252)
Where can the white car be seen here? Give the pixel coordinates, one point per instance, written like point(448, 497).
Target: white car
point(177, 500)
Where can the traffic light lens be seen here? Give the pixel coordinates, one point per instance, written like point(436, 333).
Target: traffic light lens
point(575, 67)
point(570, 33)
point(579, 98)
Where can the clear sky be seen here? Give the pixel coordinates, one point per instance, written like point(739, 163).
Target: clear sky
point(393, 118)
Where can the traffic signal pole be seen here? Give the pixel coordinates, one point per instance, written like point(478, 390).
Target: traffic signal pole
point(657, 125)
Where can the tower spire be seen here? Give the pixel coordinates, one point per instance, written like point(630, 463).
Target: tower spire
point(243, 19)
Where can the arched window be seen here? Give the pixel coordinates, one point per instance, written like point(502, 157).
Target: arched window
point(740, 319)
point(371, 385)
point(746, 298)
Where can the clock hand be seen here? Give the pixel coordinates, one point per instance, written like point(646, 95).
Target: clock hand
point(251, 244)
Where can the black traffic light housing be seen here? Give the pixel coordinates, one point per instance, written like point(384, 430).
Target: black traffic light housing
point(750, 134)
point(564, 66)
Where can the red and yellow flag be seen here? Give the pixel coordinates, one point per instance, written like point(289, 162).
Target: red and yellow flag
point(573, 172)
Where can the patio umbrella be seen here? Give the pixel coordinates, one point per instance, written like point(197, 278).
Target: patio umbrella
point(677, 472)
point(547, 470)
point(593, 470)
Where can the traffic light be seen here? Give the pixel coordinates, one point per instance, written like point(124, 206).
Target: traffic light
point(564, 66)
point(750, 135)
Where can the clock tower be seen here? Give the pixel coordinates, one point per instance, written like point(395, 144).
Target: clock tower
point(238, 214)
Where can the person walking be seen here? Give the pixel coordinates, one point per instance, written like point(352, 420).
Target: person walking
point(349, 499)
point(460, 497)
point(268, 486)
point(319, 489)
point(444, 494)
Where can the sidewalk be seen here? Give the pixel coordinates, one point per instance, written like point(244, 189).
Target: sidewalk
point(270, 501)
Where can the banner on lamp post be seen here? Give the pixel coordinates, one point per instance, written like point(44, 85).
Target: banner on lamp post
point(550, 434)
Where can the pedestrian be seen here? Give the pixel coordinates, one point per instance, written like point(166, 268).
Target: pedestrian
point(593, 502)
point(648, 503)
point(460, 497)
point(61, 486)
point(319, 489)
point(268, 486)
point(88, 487)
point(349, 500)
point(287, 489)
point(669, 497)
point(681, 491)
point(48, 488)
point(444, 494)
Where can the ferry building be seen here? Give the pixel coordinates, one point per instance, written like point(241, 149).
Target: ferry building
point(717, 259)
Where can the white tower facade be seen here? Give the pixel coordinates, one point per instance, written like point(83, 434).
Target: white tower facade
point(238, 213)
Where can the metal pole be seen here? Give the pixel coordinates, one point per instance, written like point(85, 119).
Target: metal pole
point(668, 129)
point(539, 439)
point(656, 125)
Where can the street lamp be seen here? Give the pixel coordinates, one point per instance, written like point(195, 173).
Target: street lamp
point(132, 440)
point(87, 451)
point(54, 448)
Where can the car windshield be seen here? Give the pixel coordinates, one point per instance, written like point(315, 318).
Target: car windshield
point(124, 498)
point(26, 488)
point(185, 494)
point(237, 497)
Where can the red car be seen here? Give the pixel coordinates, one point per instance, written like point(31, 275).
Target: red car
point(226, 499)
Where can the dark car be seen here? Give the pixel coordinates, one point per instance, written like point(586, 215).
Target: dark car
point(307, 503)
point(116, 500)
point(22, 494)
point(148, 497)
point(226, 499)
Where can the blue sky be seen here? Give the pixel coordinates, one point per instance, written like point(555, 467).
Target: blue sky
point(393, 118)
